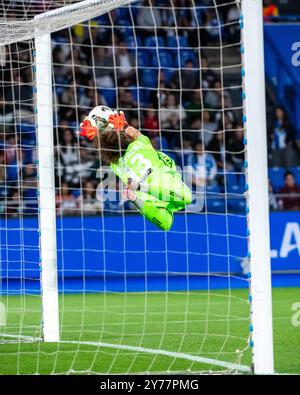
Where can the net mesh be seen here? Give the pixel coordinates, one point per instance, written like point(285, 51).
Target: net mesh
point(132, 298)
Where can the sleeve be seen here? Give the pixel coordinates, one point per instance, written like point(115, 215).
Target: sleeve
point(144, 140)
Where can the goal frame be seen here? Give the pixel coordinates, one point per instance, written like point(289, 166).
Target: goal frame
point(261, 333)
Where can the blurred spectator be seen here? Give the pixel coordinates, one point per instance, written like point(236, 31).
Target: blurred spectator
point(148, 18)
point(19, 91)
point(208, 76)
point(103, 64)
point(213, 97)
point(171, 113)
point(289, 194)
point(204, 165)
point(88, 202)
point(67, 104)
point(134, 122)
point(184, 148)
point(87, 166)
point(233, 21)
point(29, 188)
point(81, 70)
point(189, 78)
point(91, 41)
point(236, 147)
point(6, 117)
point(151, 122)
point(194, 107)
point(68, 158)
point(273, 203)
point(126, 99)
point(14, 206)
point(91, 98)
point(10, 148)
point(128, 103)
point(3, 184)
point(125, 65)
point(209, 126)
point(195, 131)
point(211, 31)
point(201, 115)
point(218, 147)
point(282, 138)
point(66, 203)
point(225, 116)
point(270, 10)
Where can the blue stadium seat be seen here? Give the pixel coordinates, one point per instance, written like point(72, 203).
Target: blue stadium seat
point(187, 54)
point(231, 178)
point(166, 60)
point(296, 172)
point(163, 144)
point(214, 188)
point(123, 22)
point(276, 175)
point(133, 41)
point(163, 58)
point(235, 189)
point(235, 198)
point(123, 14)
point(12, 171)
point(125, 30)
point(241, 180)
point(144, 96)
point(142, 58)
point(154, 42)
point(109, 95)
point(59, 89)
point(149, 78)
point(27, 131)
point(215, 204)
point(175, 42)
point(169, 74)
point(200, 15)
point(236, 204)
point(172, 155)
point(134, 91)
point(103, 19)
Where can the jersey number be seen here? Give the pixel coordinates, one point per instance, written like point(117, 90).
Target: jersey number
point(139, 160)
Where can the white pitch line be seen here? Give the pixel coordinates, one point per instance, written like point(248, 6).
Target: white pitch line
point(21, 337)
point(172, 354)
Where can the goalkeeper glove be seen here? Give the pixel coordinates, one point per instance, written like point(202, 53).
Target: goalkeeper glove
point(88, 128)
point(117, 121)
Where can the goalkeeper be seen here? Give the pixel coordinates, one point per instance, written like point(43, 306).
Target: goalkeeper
point(152, 182)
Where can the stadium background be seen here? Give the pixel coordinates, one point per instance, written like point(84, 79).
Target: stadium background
point(160, 120)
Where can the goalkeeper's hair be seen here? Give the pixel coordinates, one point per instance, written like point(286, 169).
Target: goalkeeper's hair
point(111, 145)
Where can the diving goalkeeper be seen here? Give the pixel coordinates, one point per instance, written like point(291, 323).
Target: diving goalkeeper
point(152, 182)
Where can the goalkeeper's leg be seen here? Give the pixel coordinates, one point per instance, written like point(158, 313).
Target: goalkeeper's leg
point(155, 210)
point(168, 187)
point(158, 200)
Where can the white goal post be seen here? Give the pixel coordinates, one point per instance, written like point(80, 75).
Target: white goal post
point(48, 252)
point(45, 145)
point(257, 175)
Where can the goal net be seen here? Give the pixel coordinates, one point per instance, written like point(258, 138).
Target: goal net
point(132, 298)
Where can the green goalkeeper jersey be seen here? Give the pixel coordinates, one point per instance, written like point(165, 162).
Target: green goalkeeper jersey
point(140, 159)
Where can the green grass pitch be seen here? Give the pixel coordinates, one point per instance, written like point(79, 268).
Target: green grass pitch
point(212, 325)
